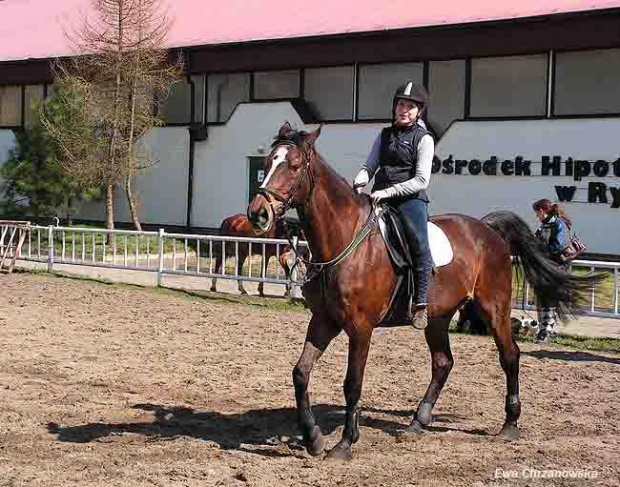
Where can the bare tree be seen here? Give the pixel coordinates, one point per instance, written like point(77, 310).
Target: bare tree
point(121, 72)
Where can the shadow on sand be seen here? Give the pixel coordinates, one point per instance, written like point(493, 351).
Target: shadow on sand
point(250, 431)
point(572, 356)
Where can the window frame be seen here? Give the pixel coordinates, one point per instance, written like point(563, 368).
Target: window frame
point(553, 83)
point(468, 89)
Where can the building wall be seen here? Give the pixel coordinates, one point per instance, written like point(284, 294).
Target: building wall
point(221, 167)
point(597, 223)
point(161, 188)
point(346, 146)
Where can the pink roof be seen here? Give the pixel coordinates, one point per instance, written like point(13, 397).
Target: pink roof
point(33, 28)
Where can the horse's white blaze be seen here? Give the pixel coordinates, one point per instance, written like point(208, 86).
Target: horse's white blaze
point(278, 158)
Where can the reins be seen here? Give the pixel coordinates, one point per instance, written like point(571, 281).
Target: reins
point(315, 269)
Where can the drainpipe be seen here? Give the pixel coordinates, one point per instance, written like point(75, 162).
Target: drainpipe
point(192, 143)
point(197, 133)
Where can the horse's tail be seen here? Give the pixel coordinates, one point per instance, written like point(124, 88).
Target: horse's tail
point(551, 283)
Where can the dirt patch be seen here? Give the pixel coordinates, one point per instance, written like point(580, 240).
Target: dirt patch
point(103, 385)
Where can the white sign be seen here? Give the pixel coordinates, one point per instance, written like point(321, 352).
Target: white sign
point(486, 166)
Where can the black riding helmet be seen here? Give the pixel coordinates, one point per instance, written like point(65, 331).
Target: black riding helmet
point(410, 91)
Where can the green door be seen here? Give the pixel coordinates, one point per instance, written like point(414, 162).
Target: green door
point(256, 175)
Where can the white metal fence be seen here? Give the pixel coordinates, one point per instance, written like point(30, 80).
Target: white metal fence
point(197, 255)
point(604, 299)
point(246, 259)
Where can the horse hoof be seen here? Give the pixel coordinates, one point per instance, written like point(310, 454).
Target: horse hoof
point(424, 414)
point(243, 292)
point(340, 453)
point(213, 289)
point(509, 433)
point(411, 433)
point(316, 444)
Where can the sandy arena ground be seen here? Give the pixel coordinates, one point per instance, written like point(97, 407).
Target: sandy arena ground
point(109, 386)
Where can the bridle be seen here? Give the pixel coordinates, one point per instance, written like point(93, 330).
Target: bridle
point(270, 195)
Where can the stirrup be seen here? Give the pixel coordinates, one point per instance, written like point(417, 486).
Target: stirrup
point(420, 318)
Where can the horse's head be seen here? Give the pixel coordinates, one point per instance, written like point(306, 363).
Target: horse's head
point(290, 177)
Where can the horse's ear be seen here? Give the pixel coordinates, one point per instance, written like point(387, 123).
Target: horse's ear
point(310, 139)
point(285, 131)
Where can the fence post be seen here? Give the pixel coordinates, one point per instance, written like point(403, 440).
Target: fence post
point(160, 267)
point(615, 290)
point(50, 248)
point(292, 260)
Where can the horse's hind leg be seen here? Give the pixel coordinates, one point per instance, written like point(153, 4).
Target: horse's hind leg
point(320, 334)
point(438, 342)
point(216, 270)
point(495, 310)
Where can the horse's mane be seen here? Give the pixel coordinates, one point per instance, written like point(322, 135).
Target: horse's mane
point(297, 138)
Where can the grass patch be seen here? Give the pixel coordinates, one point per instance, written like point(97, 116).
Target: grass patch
point(574, 342)
point(598, 344)
point(604, 293)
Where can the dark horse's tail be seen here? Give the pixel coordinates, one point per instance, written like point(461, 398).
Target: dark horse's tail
point(552, 284)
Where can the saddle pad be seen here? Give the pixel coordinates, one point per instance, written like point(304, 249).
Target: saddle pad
point(441, 250)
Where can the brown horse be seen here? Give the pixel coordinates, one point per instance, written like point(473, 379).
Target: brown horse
point(353, 293)
point(239, 226)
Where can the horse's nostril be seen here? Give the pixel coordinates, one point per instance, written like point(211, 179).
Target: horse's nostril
point(263, 216)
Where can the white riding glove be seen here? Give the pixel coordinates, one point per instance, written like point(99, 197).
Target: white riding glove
point(361, 180)
point(380, 195)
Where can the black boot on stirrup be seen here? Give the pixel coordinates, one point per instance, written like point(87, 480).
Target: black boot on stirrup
point(420, 317)
point(421, 280)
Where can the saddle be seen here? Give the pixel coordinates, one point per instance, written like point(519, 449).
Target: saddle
point(394, 237)
point(399, 249)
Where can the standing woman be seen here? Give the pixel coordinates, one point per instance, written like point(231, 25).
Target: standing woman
point(401, 161)
point(553, 231)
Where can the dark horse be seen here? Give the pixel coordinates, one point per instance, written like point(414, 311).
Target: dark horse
point(239, 226)
point(354, 295)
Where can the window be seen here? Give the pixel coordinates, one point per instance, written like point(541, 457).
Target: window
point(225, 92)
point(10, 105)
point(329, 92)
point(199, 97)
point(514, 86)
point(34, 96)
point(377, 84)
point(269, 85)
point(176, 108)
point(446, 91)
point(586, 82)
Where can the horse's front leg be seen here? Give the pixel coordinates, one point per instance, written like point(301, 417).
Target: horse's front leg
point(287, 276)
point(320, 333)
point(359, 345)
